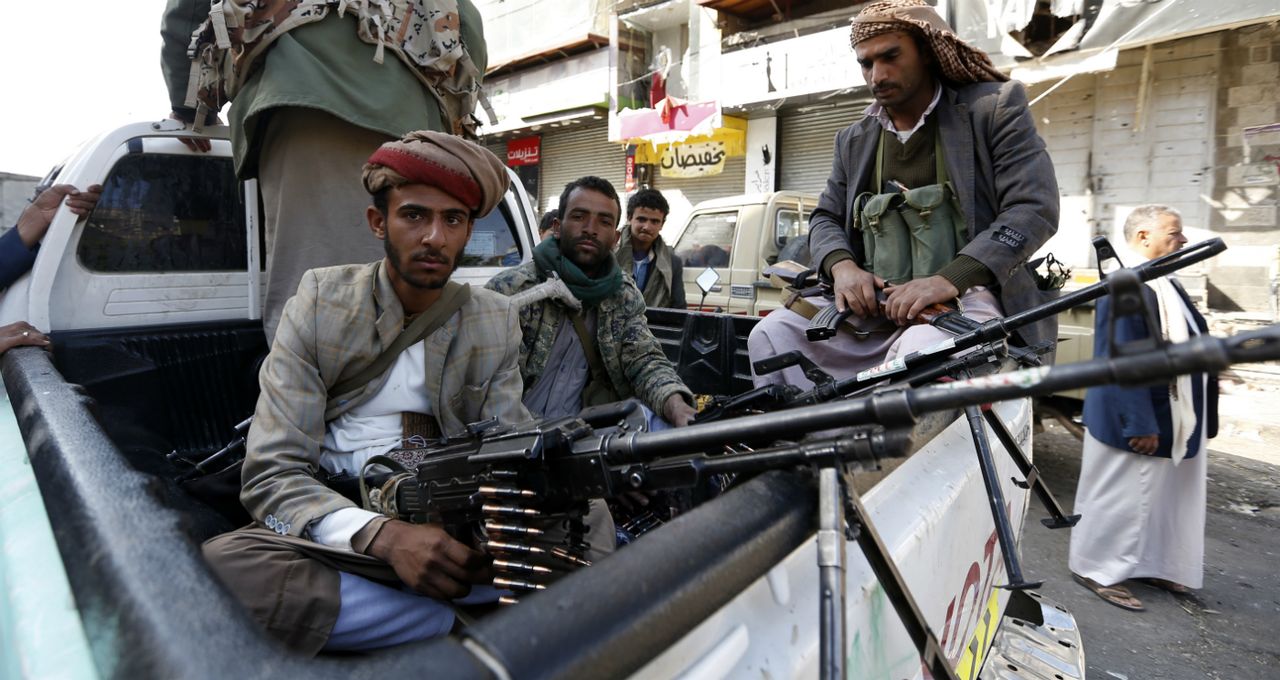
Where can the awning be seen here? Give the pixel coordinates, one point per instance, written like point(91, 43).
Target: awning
point(677, 122)
point(1091, 44)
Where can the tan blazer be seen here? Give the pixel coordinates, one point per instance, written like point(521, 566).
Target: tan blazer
point(338, 322)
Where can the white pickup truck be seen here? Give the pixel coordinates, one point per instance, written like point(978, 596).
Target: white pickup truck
point(153, 301)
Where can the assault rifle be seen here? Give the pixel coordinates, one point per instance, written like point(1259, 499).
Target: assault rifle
point(502, 478)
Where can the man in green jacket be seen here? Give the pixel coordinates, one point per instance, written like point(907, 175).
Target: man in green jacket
point(657, 271)
point(305, 117)
point(592, 344)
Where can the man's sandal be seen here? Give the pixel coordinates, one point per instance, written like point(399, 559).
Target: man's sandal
point(1117, 595)
point(1164, 584)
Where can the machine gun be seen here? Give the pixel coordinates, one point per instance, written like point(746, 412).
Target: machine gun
point(500, 480)
point(919, 367)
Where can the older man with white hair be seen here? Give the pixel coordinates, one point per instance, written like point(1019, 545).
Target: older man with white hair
point(1142, 476)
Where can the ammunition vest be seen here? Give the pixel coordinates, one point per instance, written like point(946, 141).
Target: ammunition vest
point(424, 34)
point(913, 233)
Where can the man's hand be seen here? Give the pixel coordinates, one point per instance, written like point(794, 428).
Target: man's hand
point(194, 143)
point(35, 220)
point(21, 333)
point(855, 288)
point(677, 411)
point(1145, 445)
point(429, 560)
point(904, 302)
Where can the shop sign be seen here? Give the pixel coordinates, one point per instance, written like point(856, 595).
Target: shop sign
point(524, 151)
point(703, 159)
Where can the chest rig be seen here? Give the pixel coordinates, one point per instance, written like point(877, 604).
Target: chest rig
point(909, 233)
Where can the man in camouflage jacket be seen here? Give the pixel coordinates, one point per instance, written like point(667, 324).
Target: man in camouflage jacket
point(581, 256)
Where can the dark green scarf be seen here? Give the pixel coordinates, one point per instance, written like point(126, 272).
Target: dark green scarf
point(590, 291)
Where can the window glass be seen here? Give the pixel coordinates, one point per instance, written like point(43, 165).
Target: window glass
point(708, 240)
point(493, 241)
point(164, 213)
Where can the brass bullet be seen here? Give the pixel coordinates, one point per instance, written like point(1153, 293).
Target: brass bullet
point(503, 546)
point(495, 527)
point(508, 510)
point(510, 565)
point(506, 492)
point(517, 584)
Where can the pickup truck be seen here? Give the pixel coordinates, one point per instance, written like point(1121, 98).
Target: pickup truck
point(739, 236)
point(152, 302)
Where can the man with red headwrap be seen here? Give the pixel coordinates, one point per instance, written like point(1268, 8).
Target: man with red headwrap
point(941, 192)
point(367, 358)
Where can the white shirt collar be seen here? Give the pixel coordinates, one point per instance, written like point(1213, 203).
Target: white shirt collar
point(877, 111)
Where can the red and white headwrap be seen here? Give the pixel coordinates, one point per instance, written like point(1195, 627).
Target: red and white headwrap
point(466, 170)
point(960, 62)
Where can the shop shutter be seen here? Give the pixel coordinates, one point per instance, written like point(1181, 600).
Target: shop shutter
point(685, 192)
point(570, 153)
point(807, 143)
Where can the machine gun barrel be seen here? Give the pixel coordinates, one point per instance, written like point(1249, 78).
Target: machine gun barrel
point(898, 407)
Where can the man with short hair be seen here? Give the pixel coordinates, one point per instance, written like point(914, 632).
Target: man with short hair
point(942, 192)
point(603, 350)
point(1141, 493)
point(546, 226)
point(657, 270)
point(338, 389)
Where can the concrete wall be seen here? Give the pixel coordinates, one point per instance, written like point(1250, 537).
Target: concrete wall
point(1247, 170)
point(15, 192)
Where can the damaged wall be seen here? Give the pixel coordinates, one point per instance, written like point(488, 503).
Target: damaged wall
point(1247, 170)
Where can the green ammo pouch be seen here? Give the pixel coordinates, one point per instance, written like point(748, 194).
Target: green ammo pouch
point(886, 237)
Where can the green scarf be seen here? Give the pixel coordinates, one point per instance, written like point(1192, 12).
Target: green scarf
point(590, 291)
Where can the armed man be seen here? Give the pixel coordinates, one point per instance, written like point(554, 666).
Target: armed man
point(369, 359)
point(941, 193)
point(592, 345)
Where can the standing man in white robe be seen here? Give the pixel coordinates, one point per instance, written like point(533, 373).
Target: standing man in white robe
point(1143, 473)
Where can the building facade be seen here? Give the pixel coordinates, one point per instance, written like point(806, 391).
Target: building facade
point(1170, 102)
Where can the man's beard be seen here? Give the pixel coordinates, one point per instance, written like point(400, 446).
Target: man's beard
point(591, 265)
point(421, 281)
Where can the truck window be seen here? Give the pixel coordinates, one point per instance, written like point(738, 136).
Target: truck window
point(493, 241)
point(789, 225)
point(166, 213)
point(708, 240)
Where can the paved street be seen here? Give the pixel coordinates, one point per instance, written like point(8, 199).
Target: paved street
point(1231, 628)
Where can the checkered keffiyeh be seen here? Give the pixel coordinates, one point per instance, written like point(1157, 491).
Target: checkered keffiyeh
point(960, 62)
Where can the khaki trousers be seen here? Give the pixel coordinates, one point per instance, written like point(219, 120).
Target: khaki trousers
point(313, 200)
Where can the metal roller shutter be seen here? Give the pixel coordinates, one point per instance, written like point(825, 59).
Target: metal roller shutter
point(685, 192)
point(571, 153)
point(806, 143)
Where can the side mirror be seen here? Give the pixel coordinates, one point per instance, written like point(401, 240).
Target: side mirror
point(708, 279)
point(706, 282)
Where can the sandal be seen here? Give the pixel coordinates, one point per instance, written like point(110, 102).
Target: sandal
point(1117, 595)
point(1164, 584)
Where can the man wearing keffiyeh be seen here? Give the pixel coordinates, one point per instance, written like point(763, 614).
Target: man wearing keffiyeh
point(943, 120)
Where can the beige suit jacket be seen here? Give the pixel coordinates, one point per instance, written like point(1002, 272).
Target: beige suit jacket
point(338, 322)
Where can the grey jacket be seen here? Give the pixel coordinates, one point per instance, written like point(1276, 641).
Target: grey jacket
point(337, 324)
point(665, 287)
point(1001, 173)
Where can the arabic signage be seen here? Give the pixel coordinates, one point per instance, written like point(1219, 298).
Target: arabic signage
point(703, 159)
point(524, 151)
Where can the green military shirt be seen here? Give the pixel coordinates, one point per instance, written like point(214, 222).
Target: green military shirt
point(324, 65)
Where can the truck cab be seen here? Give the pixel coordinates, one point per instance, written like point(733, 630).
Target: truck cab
point(177, 238)
point(739, 236)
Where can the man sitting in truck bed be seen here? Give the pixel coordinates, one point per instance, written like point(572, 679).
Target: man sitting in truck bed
point(942, 191)
point(366, 357)
point(603, 351)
